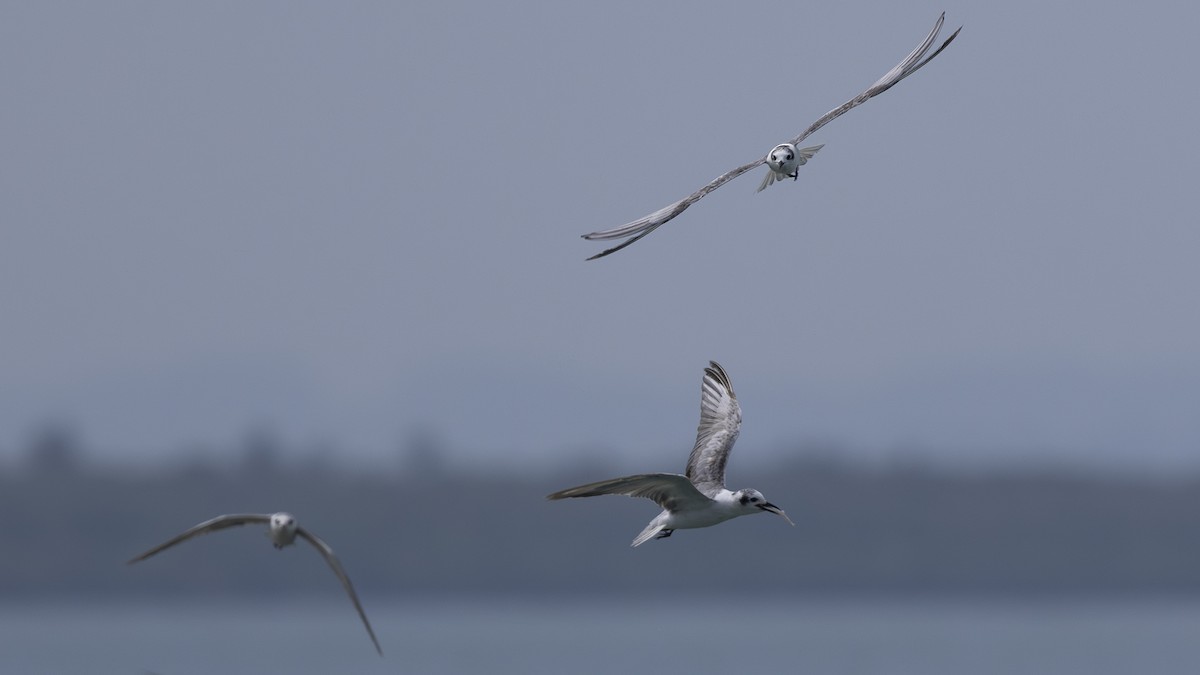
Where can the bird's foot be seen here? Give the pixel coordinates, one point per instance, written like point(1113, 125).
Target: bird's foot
point(663, 534)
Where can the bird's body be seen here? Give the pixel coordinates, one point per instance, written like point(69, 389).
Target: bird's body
point(780, 166)
point(282, 530)
point(784, 161)
point(719, 508)
point(697, 498)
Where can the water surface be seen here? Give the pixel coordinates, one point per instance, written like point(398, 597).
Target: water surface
point(587, 635)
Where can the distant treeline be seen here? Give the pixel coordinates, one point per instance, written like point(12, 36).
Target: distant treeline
point(66, 528)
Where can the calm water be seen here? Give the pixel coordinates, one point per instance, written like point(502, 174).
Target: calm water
point(590, 636)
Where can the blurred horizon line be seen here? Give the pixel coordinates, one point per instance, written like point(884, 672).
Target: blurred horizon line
point(60, 447)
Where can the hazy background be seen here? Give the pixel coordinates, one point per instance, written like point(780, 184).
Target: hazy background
point(344, 223)
point(423, 530)
point(325, 257)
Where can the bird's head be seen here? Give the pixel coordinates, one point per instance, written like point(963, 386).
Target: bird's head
point(782, 157)
point(283, 524)
point(753, 501)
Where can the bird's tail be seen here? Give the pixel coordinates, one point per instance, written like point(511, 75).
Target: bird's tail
point(767, 180)
point(805, 154)
point(647, 534)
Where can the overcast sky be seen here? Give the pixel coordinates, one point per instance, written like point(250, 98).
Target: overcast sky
point(347, 221)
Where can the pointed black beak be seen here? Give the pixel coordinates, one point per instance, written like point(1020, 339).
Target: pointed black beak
point(771, 508)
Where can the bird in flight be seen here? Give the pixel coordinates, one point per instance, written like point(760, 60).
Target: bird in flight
point(784, 159)
point(282, 531)
point(698, 498)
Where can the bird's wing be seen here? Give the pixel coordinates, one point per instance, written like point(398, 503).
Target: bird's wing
point(645, 225)
point(720, 421)
point(327, 553)
point(218, 523)
point(669, 490)
point(911, 64)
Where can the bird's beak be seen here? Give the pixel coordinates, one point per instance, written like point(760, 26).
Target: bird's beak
point(771, 508)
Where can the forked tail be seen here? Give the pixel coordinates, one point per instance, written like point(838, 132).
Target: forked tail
point(805, 154)
point(649, 533)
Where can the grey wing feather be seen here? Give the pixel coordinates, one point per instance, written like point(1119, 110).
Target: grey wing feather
point(645, 225)
point(671, 491)
point(911, 64)
point(327, 553)
point(720, 423)
point(218, 523)
point(638, 225)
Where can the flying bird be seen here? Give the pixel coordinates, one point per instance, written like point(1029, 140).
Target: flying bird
point(784, 159)
point(698, 498)
point(282, 531)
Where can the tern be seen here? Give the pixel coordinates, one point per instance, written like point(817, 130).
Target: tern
point(784, 160)
point(282, 531)
point(698, 498)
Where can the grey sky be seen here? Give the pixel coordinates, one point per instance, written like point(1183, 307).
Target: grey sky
point(346, 221)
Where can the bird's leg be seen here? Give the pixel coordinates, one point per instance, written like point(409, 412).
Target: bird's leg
point(663, 534)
